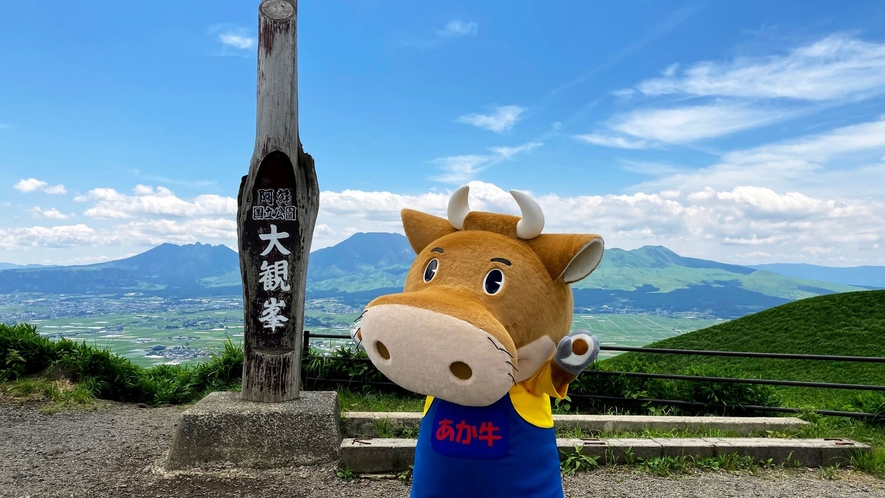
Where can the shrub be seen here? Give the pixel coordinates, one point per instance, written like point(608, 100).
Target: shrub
point(23, 351)
point(108, 376)
point(716, 398)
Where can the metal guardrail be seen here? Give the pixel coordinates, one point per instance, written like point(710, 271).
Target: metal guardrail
point(740, 354)
point(726, 380)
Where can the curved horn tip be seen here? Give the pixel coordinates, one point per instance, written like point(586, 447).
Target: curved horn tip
point(458, 207)
point(532, 223)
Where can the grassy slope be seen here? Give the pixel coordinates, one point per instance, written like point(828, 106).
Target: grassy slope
point(851, 324)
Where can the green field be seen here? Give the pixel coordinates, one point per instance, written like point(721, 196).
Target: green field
point(153, 330)
point(192, 335)
point(632, 330)
point(134, 336)
point(636, 330)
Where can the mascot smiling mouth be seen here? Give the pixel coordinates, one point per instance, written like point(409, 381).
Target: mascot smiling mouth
point(482, 328)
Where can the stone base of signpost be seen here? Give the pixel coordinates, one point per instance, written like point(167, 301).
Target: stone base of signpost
point(223, 430)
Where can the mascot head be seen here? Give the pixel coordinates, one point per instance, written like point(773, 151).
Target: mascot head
point(485, 303)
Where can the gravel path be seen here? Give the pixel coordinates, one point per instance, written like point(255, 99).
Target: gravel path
point(115, 451)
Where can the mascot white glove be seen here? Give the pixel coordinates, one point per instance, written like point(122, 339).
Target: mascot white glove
point(576, 351)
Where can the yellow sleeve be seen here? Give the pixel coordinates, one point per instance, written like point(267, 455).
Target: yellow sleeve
point(542, 383)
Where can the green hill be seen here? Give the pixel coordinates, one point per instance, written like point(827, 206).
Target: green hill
point(847, 324)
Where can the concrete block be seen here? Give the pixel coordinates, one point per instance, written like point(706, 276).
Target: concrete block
point(373, 424)
point(744, 426)
point(591, 447)
point(688, 447)
point(621, 423)
point(222, 429)
point(611, 450)
point(840, 451)
point(377, 455)
point(632, 450)
point(804, 452)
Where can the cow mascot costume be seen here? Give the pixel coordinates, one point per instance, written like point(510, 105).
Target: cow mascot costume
point(482, 328)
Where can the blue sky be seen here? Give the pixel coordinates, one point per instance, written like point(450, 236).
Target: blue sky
point(745, 132)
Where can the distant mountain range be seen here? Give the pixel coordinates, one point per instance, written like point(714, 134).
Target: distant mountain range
point(864, 276)
point(165, 269)
point(10, 266)
point(371, 264)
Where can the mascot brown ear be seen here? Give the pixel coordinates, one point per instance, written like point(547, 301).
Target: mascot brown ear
point(422, 229)
point(571, 257)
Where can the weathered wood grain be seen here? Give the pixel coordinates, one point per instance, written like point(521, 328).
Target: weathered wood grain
point(274, 268)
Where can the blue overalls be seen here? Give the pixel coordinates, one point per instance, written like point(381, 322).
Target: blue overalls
point(489, 451)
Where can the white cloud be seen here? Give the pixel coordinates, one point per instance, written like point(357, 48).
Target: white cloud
point(460, 169)
point(610, 141)
point(38, 236)
point(651, 168)
point(501, 120)
point(671, 70)
point(749, 223)
point(55, 189)
point(456, 29)
point(799, 163)
point(236, 40)
point(868, 136)
point(707, 223)
point(29, 185)
point(624, 93)
point(154, 232)
point(141, 233)
point(452, 30)
point(108, 203)
point(832, 68)
point(52, 213)
point(509, 152)
point(33, 184)
point(148, 217)
point(686, 124)
point(463, 168)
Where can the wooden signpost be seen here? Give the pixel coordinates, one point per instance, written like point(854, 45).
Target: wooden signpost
point(277, 209)
point(276, 212)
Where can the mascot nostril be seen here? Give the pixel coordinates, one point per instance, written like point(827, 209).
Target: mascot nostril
point(382, 350)
point(461, 370)
point(494, 292)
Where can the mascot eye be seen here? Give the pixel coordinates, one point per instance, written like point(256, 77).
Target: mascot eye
point(430, 271)
point(493, 281)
